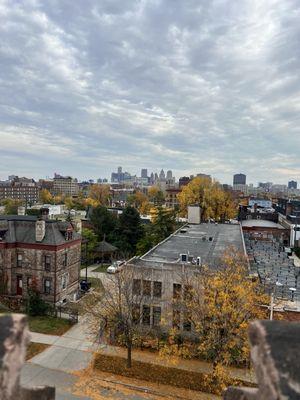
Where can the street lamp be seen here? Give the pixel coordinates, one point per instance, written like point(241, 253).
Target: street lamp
point(277, 284)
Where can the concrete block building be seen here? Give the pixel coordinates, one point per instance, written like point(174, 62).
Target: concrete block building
point(42, 250)
point(181, 254)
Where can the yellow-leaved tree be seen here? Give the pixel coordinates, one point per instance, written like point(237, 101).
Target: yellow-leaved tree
point(219, 305)
point(46, 197)
point(215, 203)
point(100, 195)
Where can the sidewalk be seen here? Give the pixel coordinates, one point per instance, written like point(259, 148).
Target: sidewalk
point(77, 339)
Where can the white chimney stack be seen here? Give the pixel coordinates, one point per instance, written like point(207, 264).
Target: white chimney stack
point(40, 230)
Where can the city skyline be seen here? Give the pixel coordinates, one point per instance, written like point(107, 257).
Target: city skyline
point(212, 88)
point(150, 172)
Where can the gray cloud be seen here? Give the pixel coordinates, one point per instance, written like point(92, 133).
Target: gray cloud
point(194, 86)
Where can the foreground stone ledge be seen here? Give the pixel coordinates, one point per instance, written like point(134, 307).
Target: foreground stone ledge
point(14, 338)
point(275, 354)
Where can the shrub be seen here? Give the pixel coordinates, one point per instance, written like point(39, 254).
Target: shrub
point(161, 374)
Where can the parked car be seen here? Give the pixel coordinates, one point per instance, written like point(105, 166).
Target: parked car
point(115, 267)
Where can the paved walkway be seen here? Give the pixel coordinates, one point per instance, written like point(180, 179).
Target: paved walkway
point(74, 351)
point(90, 272)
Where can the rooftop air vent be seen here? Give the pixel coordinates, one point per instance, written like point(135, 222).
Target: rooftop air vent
point(211, 238)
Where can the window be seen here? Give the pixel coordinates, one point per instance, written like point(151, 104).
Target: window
point(176, 319)
point(136, 314)
point(187, 325)
point(157, 289)
point(47, 286)
point(69, 234)
point(156, 316)
point(64, 280)
point(136, 289)
point(47, 263)
point(19, 260)
point(146, 315)
point(65, 260)
point(176, 291)
point(147, 288)
point(188, 292)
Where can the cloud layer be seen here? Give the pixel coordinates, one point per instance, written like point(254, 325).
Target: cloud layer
point(193, 86)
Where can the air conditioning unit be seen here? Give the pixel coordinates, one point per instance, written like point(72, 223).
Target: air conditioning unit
point(199, 262)
point(183, 258)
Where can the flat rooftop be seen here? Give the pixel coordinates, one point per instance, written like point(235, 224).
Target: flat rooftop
point(261, 223)
point(208, 241)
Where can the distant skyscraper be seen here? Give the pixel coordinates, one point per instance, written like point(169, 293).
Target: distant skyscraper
point(292, 185)
point(162, 175)
point(239, 179)
point(152, 179)
point(144, 173)
point(169, 175)
point(119, 170)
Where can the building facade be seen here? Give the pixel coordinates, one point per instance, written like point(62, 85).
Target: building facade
point(161, 273)
point(45, 252)
point(239, 179)
point(292, 185)
point(172, 197)
point(65, 186)
point(20, 189)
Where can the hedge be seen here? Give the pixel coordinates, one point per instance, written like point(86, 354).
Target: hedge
point(160, 374)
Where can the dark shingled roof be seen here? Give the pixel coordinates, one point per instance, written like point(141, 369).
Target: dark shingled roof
point(21, 229)
point(105, 247)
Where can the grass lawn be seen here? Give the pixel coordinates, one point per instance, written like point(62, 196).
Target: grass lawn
point(34, 349)
point(49, 325)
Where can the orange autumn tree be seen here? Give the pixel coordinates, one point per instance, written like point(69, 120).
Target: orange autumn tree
point(214, 201)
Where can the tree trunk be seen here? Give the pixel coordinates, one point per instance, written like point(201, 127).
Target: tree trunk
point(129, 348)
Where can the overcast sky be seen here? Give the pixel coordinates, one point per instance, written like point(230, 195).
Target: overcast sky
point(190, 85)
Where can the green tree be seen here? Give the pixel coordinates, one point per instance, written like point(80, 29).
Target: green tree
point(11, 206)
point(104, 223)
point(35, 304)
point(130, 230)
point(164, 224)
point(91, 237)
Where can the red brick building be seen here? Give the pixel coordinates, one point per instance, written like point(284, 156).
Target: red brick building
point(44, 250)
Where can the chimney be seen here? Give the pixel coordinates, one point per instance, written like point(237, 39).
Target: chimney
point(21, 210)
point(44, 213)
point(40, 230)
point(194, 215)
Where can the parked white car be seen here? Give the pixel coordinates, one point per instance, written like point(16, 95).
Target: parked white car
point(115, 267)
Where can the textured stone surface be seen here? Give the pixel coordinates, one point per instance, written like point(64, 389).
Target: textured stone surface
point(275, 353)
point(14, 337)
